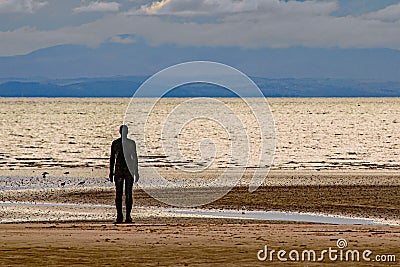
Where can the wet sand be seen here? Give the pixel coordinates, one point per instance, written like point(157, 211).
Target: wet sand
point(184, 243)
point(373, 195)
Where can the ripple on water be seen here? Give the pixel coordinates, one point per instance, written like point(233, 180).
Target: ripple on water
point(318, 133)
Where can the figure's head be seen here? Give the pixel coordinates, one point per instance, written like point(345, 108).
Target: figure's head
point(123, 130)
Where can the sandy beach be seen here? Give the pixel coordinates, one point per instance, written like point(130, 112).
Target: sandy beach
point(161, 242)
point(75, 225)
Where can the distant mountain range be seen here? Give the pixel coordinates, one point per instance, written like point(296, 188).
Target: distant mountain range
point(125, 86)
point(351, 72)
point(115, 87)
point(139, 58)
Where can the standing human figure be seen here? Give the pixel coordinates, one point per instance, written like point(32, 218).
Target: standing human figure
point(123, 159)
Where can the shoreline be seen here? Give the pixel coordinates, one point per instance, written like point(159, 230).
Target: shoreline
point(370, 195)
point(93, 172)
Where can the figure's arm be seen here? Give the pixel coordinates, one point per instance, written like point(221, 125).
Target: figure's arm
point(112, 163)
point(135, 162)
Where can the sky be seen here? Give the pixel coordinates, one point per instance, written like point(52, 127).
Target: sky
point(29, 25)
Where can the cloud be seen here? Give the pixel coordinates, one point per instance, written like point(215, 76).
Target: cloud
point(265, 23)
point(21, 6)
point(154, 7)
point(390, 13)
point(213, 7)
point(96, 6)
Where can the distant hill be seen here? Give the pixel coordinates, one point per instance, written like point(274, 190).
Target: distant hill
point(126, 86)
point(352, 72)
point(86, 88)
point(139, 58)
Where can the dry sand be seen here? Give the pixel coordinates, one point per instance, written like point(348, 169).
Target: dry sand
point(160, 242)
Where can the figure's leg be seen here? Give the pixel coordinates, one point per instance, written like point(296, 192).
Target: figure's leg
point(128, 198)
point(119, 188)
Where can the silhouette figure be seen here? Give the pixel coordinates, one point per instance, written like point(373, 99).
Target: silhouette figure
point(123, 158)
point(44, 174)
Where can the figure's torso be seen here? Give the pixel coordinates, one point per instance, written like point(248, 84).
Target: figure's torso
point(121, 167)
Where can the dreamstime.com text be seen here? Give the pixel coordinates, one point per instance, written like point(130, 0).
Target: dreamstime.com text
point(339, 253)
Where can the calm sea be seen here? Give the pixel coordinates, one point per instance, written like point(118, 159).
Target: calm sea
point(311, 133)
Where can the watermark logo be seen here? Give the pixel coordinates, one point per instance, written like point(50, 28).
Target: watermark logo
point(194, 134)
point(341, 243)
point(333, 254)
